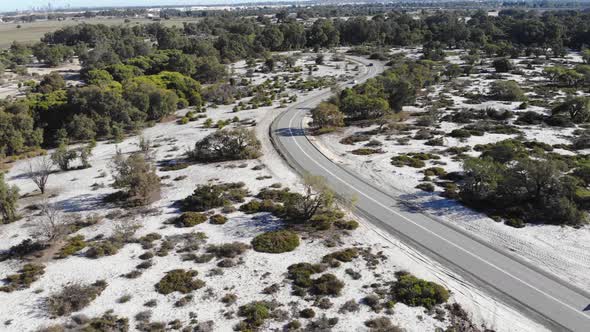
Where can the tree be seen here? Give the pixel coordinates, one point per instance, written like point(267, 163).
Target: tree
point(62, 157)
point(8, 201)
point(39, 170)
point(361, 106)
point(137, 177)
point(502, 65)
point(317, 197)
point(506, 90)
point(52, 225)
point(51, 82)
point(227, 144)
point(586, 55)
point(327, 115)
point(578, 109)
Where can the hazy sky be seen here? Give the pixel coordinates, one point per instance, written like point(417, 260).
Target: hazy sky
point(9, 5)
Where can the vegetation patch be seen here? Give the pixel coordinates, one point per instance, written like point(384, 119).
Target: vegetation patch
point(190, 219)
point(73, 297)
point(28, 274)
point(72, 246)
point(276, 242)
point(415, 292)
point(211, 196)
point(179, 281)
point(415, 160)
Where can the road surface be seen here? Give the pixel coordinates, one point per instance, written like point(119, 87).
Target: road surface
point(539, 294)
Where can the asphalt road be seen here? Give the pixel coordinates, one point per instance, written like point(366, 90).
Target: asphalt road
point(539, 294)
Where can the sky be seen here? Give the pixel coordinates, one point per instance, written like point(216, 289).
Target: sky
point(10, 5)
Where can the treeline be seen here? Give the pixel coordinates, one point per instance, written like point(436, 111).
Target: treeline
point(140, 74)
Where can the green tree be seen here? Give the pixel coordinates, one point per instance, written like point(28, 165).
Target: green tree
point(327, 115)
point(8, 201)
point(137, 177)
point(578, 109)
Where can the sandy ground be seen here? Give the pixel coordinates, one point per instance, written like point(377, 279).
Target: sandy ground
point(72, 192)
point(564, 251)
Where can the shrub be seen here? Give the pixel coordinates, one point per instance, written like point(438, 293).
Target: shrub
point(366, 151)
point(326, 284)
point(190, 219)
point(137, 177)
point(349, 306)
point(254, 313)
point(414, 292)
point(26, 247)
point(382, 324)
point(307, 313)
point(210, 196)
point(224, 145)
point(73, 245)
point(218, 219)
point(460, 133)
point(506, 90)
point(8, 201)
point(107, 247)
point(426, 186)
point(179, 281)
point(301, 273)
point(73, 297)
point(346, 255)
point(25, 277)
point(435, 171)
point(106, 322)
point(276, 242)
point(350, 140)
point(415, 160)
point(347, 225)
point(228, 250)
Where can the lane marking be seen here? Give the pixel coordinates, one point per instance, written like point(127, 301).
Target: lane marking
point(577, 311)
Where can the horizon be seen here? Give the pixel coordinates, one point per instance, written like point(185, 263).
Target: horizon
point(23, 5)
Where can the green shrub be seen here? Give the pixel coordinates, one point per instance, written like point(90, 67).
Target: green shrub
point(415, 292)
point(106, 322)
point(211, 196)
point(224, 145)
point(350, 140)
point(179, 281)
point(415, 160)
point(366, 151)
point(326, 284)
point(106, 247)
point(72, 246)
point(346, 255)
point(218, 219)
point(514, 222)
point(426, 186)
point(190, 219)
point(460, 133)
point(307, 313)
point(301, 273)
point(347, 225)
point(435, 171)
point(28, 274)
point(254, 313)
point(276, 242)
point(73, 297)
point(228, 250)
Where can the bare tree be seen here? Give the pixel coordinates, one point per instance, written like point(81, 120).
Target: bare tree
point(53, 224)
point(39, 170)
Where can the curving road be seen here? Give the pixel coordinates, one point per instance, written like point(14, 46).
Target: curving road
point(541, 295)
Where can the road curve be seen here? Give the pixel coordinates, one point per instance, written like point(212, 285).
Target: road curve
point(539, 294)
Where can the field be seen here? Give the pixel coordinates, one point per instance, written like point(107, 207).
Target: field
point(32, 32)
